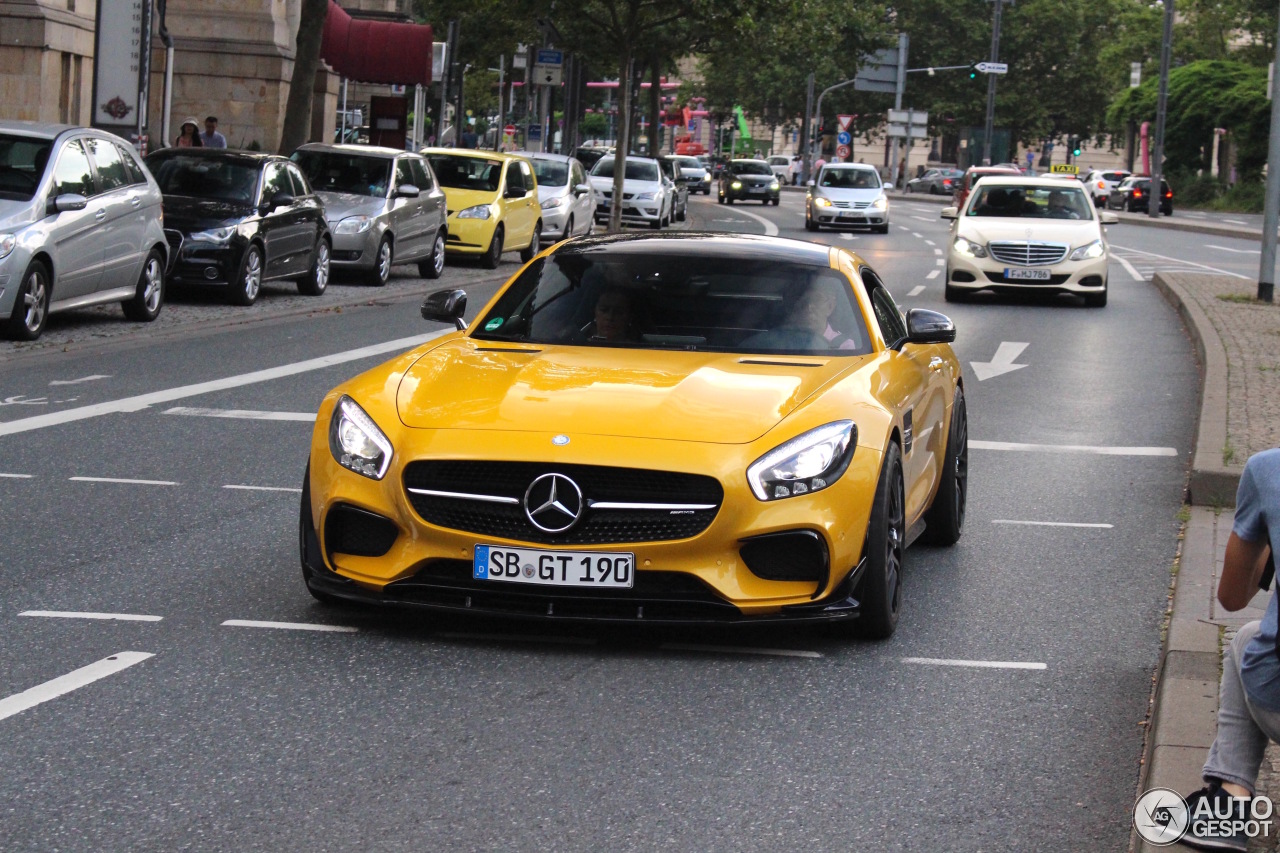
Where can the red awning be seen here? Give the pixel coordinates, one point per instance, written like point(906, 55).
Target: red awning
point(376, 51)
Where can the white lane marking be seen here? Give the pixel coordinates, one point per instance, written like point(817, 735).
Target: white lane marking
point(143, 401)
point(517, 638)
point(1181, 261)
point(244, 414)
point(74, 680)
point(1237, 251)
point(290, 626)
point(845, 235)
point(738, 650)
point(933, 274)
point(265, 489)
point(1137, 276)
point(917, 290)
point(930, 243)
point(1001, 362)
point(1051, 523)
point(73, 614)
point(940, 262)
point(924, 219)
point(17, 476)
point(905, 228)
point(982, 664)
point(937, 251)
point(770, 229)
point(123, 480)
point(1236, 221)
point(917, 235)
point(1072, 448)
point(91, 378)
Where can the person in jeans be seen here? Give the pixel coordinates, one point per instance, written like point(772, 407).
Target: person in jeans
point(1249, 698)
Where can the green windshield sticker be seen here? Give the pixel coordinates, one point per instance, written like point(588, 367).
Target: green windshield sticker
point(493, 324)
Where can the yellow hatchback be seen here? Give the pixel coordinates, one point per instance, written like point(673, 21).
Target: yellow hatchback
point(695, 428)
point(492, 200)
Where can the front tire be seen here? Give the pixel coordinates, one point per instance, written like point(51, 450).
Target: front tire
point(244, 290)
point(31, 308)
point(317, 279)
point(881, 588)
point(1096, 300)
point(149, 298)
point(809, 224)
point(433, 266)
point(944, 520)
point(528, 252)
point(490, 259)
point(381, 271)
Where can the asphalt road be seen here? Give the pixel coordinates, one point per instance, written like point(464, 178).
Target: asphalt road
point(1004, 714)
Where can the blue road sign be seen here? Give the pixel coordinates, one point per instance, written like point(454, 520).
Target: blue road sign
point(843, 138)
point(535, 132)
point(546, 56)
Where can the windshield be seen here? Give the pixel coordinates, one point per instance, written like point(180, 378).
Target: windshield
point(637, 170)
point(679, 301)
point(850, 179)
point(200, 177)
point(467, 173)
point(1023, 202)
point(551, 173)
point(687, 162)
point(345, 173)
point(751, 168)
point(22, 162)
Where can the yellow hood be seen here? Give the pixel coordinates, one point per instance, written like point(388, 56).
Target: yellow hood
point(457, 200)
point(680, 396)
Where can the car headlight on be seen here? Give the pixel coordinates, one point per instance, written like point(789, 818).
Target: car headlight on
point(737, 185)
point(880, 203)
point(645, 196)
point(1089, 251)
point(214, 235)
point(353, 225)
point(807, 463)
point(7, 242)
point(968, 247)
point(774, 185)
point(480, 211)
point(356, 442)
point(819, 201)
point(706, 179)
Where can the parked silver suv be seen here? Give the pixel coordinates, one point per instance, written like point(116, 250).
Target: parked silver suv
point(80, 224)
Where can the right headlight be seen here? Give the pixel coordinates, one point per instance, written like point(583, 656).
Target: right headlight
point(807, 463)
point(819, 201)
point(970, 248)
point(357, 442)
point(1089, 251)
point(353, 225)
point(7, 242)
point(480, 211)
point(213, 235)
point(553, 203)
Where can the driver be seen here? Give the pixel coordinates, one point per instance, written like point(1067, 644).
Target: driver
point(1060, 206)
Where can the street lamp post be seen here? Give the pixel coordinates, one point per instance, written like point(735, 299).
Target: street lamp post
point(1162, 107)
point(989, 127)
point(1271, 210)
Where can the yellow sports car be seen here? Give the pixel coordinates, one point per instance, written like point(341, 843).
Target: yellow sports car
point(492, 200)
point(668, 428)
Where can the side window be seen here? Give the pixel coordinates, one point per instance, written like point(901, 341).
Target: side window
point(514, 178)
point(421, 174)
point(889, 318)
point(131, 167)
point(577, 176)
point(527, 174)
point(300, 186)
point(111, 172)
point(73, 173)
point(277, 181)
point(404, 173)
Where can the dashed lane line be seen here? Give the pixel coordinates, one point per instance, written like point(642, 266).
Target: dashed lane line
point(917, 235)
point(738, 650)
point(940, 262)
point(264, 489)
point(917, 290)
point(1072, 448)
point(290, 626)
point(1236, 251)
point(125, 480)
point(933, 274)
point(937, 251)
point(74, 680)
point(242, 414)
point(930, 243)
point(1052, 523)
point(73, 614)
point(16, 476)
point(924, 219)
point(979, 664)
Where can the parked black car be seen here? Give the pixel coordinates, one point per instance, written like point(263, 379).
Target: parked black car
point(1134, 193)
point(238, 218)
point(748, 179)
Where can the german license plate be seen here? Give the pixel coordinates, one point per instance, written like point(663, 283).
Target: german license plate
point(1016, 274)
point(755, 189)
point(613, 570)
point(849, 214)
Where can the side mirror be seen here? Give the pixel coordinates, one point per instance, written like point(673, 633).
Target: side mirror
point(929, 327)
point(1107, 218)
point(514, 192)
point(446, 306)
point(810, 183)
point(70, 201)
point(280, 199)
point(950, 213)
point(407, 191)
point(581, 190)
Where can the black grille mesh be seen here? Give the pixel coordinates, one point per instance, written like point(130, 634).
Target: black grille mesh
point(598, 483)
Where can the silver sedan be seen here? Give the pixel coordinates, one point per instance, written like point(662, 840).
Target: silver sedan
point(383, 207)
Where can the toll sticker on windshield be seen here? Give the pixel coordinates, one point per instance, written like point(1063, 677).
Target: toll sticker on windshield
point(493, 324)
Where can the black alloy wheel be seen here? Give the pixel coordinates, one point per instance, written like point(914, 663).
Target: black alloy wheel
point(880, 591)
point(148, 299)
point(433, 266)
point(31, 308)
point(490, 259)
point(944, 520)
point(381, 271)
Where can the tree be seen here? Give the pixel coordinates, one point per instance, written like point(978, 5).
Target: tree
point(306, 58)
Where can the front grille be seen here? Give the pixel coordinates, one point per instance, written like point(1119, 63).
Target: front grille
point(1028, 254)
point(851, 205)
point(597, 482)
point(656, 597)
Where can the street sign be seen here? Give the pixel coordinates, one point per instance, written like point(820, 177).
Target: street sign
point(908, 123)
point(1135, 75)
point(547, 67)
point(534, 133)
point(879, 73)
point(844, 137)
point(992, 68)
point(546, 56)
point(509, 130)
point(844, 122)
point(843, 152)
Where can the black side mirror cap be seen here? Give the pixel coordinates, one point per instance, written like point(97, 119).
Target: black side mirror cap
point(446, 306)
point(515, 192)
point(280, 200)
point(929, 327)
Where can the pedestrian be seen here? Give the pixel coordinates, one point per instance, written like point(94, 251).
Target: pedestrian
point(189, 134)
point(211, 138)
point(794, 170)
point(1249, 697)
point(470, 139)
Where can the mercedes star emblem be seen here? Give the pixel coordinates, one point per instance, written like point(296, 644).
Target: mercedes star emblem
point(553, 502)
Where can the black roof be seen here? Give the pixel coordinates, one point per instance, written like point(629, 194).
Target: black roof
point(217, 154)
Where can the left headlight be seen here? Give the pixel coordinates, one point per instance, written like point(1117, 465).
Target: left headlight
point(214, 235)
point(1089, 251)
point(970, 248)
point(552, 203)
point(880, 203)
point(646, 196)
point(353, 225)
point(807, 463)
point(480, 211)
point(7, 242)
point(737, 185)
point(356, 442)
point(775, 185)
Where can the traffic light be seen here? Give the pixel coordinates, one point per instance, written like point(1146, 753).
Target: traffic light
point(1075, 146)
point(973, 71)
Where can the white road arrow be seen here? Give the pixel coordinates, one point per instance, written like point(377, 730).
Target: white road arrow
point(78, 381)
point(1001, 362)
